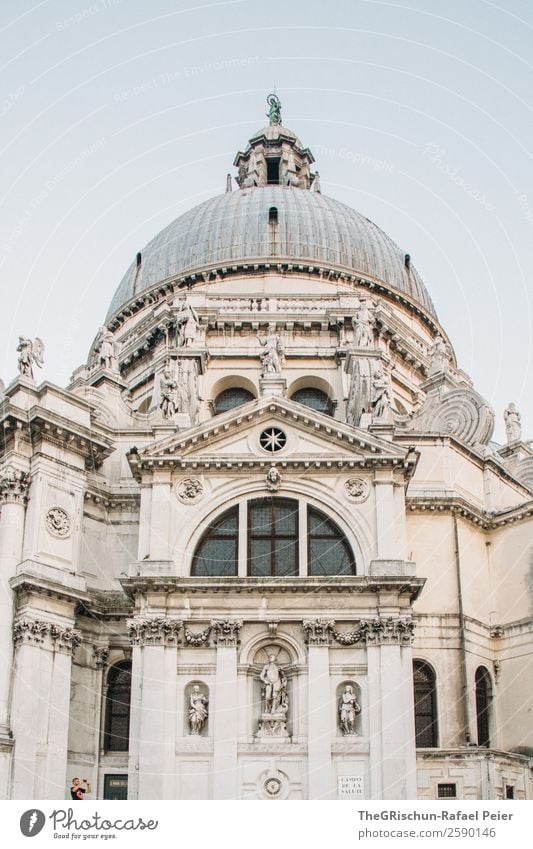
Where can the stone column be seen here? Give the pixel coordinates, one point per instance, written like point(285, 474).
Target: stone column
point(391, 719)
point(41, 707)
point(389, 546)
point(319, 734)
point(225, 718)
point(160, 516)
point(153, 707)
point(14, 486)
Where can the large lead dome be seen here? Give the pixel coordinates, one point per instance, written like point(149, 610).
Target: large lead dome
point(277, 215)
point(235, 226)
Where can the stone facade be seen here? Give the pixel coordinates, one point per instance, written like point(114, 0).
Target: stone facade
point(292, 380)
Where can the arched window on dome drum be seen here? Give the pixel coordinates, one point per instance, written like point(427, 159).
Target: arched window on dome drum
point(483, 705)
point(313, 398)
point(272, 537)
point(328, 550)
point(231, 398)
point(425, 705)
point(217, 552)
point(117, 708)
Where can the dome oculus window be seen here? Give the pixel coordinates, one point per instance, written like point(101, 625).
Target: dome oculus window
point(231, 398)
point(271, 532)
point(315, 399)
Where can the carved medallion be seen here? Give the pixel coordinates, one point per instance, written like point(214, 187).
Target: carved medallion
point(189, 490)
point(58, 522)
point(357, 489)
point(273, 784)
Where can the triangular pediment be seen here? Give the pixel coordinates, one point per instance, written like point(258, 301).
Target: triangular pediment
point(310, 437)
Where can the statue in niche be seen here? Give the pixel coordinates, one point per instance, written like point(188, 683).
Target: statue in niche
point(439, 355)
point(169, 394)
point(198, 712)
point(29, 353)
point(349, 709)
point(513, 426)
point(187, 322)
point(274, 680)
point(381, 396)
point(272, 356)
point(363, 325)
point(105, 350)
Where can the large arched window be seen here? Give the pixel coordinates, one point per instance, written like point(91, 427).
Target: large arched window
point(425, 705)
point(280, 537)
point(217, 551)
point(117, 713)
point(272, 537)
point(328, 549)
point(313, 398)
point(483, 705)
point(231, 398)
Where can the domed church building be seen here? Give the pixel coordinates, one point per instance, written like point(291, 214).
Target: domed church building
point(263, 547)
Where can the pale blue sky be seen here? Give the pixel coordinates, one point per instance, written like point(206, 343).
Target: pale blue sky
point(118, 115)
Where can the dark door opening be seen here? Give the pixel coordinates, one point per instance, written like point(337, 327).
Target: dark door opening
point(116, 787)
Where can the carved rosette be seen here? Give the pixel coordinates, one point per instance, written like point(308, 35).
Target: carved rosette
point(58, 522)
point(317, 631)
point(14, 485)
point(189, 490)
point(100, 654)
point(357, 489)
point(37, 632)
point(156, 631)
point(226, 632)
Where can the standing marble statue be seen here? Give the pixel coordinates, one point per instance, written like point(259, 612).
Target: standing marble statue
point(105, 349)
point(187, 324)
point(29, 353)
point(439, 356)
point(275, 699)
point(169, 400)
point(198, 702)
point(513, 426)
point(381, 396)
point(349, 709)
point(272, 356)
point(363, 325)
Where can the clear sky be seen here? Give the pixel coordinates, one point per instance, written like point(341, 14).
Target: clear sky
point(119, 115)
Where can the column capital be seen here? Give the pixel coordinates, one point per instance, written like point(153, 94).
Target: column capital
point(100, 655)
point(154, 631)
point(226, 631)
point(14, 485)
point(48, 635)
point(390, 631)
point(318, 631)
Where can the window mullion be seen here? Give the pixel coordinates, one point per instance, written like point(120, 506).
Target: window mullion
point(303, 542)
point(242, 540)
